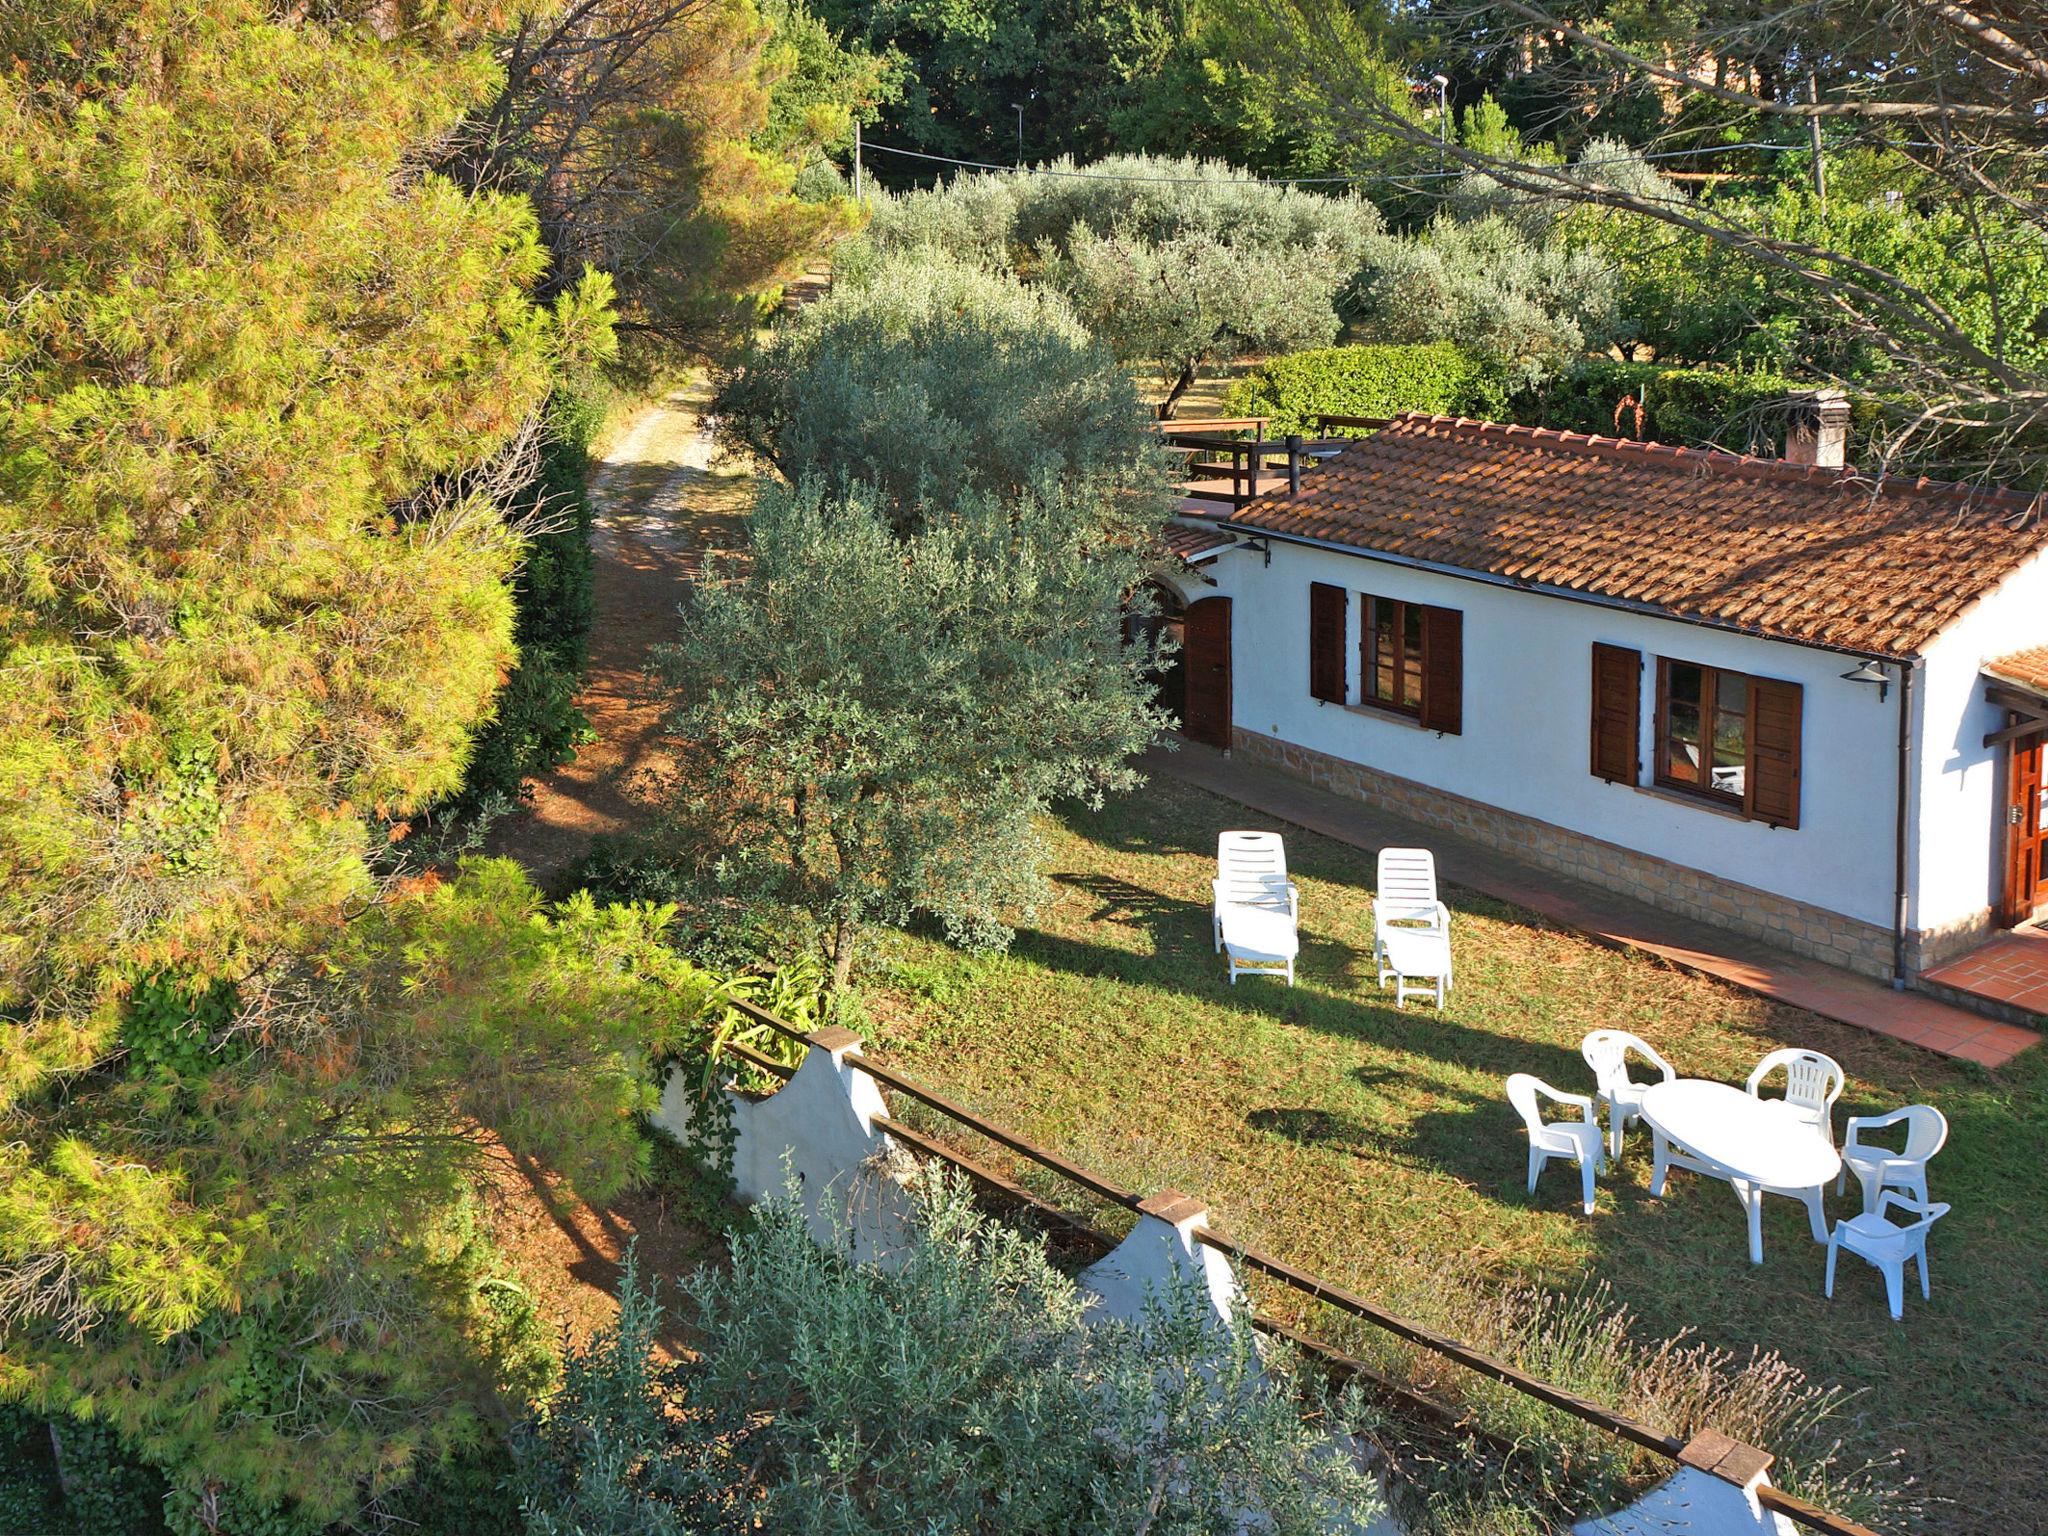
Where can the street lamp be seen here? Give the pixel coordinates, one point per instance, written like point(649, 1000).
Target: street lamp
point(1443, 117)
point(1018, 108)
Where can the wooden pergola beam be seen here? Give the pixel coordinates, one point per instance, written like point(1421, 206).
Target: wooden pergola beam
point(2031, 708)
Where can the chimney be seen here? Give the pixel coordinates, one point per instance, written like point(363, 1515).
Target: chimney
point(1817, 431)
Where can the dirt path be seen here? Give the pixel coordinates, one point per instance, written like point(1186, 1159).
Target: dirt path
point(659, 504)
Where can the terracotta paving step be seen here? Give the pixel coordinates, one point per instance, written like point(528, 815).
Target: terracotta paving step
point(1610, 918)
point(2010, 969)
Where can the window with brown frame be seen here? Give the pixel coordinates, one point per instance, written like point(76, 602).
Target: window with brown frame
point(1411, 660)
point(1391, 659)
point(1730, 738)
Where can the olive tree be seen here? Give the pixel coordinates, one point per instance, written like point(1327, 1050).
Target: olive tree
point(964, 1391)
point(1196, 300)
point(1492, 288)
point(931, 380)
point(1176, 264)
point(869, 724)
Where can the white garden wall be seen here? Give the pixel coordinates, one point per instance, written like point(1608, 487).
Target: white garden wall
point(821, 1125)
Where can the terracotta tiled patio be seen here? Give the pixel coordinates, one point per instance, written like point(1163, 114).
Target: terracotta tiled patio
point(1617, 920)
point(2012, 969)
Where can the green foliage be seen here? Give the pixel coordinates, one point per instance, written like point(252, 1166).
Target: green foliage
point(173, 1029)
point(863, 779)
point(822, 84)
point(604, 1460)
point(1436, 377)
point(1695, 300)
point(1740, 410)
point(292, 1303)
point(1698, 407)
point(110, 1490)
point(1483, 285)
point(931, 381)
point(1095, 77)
point(249, 575)
point(535, 724)
point(961, 1391)
point(1174, 263)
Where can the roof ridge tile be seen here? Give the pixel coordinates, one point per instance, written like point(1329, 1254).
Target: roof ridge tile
point(1822, 556)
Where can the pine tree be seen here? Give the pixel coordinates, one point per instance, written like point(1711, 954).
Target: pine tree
point(263, 376)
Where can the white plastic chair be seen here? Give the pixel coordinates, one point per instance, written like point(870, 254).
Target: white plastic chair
point(1606, 1052)
point(1256, 908)
point(1878, 1167)
point(1887, 1246)
point(1251, 871)
point(1578, 1139)
point(1812, 1084)
point(1404, 894)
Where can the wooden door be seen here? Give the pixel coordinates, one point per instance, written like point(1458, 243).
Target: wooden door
point(2026, 823)
point(1207, 641)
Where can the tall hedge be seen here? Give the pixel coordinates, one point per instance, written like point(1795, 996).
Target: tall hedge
point(1370, 381)
point(535, 723)
point(1696, 407)
point(1693, 407)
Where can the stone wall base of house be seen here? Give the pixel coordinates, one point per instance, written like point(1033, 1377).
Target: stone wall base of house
point(1793, 925)
point(1928, 947)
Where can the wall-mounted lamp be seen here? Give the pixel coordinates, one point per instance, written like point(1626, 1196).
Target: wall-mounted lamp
point(1870, 672)
point(1259, 546)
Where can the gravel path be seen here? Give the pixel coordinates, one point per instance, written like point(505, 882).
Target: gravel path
point(660, 504)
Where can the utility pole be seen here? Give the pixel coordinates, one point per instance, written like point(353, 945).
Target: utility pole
point(1443, 118)
point(1820, 173)
point(1018, 106)
point(856, 162)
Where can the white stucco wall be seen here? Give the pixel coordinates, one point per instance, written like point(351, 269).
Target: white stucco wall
point(1960, 796)
point(1527, 708)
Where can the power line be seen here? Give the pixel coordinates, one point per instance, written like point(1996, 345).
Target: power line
point(1311, 181)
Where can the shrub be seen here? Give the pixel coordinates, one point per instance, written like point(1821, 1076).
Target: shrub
point(1174, 262)
point(1369, 381)
point(1695, 407)
point(960, 1392)
point(535, 724)
point(1486, 286)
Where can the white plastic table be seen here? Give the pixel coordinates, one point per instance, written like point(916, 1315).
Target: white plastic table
point(1423, 953)
point(1760, 1146)
point(1259, 940)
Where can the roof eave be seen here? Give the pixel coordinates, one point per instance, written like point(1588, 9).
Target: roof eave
point(1572, 594)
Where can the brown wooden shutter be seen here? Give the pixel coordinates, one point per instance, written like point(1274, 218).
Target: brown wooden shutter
point(1443, 670)
point(1326, 610)
point(1617, 713)
point(1773, 780)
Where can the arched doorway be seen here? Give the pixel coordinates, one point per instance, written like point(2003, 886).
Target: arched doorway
point(1167, 621)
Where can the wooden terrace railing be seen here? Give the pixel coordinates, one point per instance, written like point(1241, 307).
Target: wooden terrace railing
point(1618, 1425)
point(1232, 470)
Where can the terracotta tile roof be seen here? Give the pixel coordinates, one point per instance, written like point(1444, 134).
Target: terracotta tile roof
point(1822, 556)
point(2027, 668)
point(1192, 544)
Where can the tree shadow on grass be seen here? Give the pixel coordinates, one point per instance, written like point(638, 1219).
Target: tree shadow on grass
point(1184, 963)
point(1129, 905)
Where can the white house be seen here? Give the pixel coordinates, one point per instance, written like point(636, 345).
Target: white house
point(1777, 695)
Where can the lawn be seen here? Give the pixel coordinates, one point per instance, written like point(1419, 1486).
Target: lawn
point(1376, 1148)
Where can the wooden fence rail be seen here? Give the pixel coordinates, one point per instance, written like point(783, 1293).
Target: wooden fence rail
point(1598, 1415)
